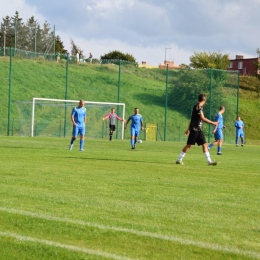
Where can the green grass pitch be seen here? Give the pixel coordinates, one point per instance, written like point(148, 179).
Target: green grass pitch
point(112, 202)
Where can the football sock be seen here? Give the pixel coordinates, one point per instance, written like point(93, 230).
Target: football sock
point(81, 143)
point(210, 146)
point(72, 140)
point(110, 136)
point(236, 140)
point(219, 149)
point(181, 156)
point(132, 142)
point(207, 156)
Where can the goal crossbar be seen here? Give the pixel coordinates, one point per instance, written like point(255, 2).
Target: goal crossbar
point(75, 101)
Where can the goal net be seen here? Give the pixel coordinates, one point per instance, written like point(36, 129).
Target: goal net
point(51, 117)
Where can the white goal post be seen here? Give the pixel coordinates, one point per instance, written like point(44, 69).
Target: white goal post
point(62, 101)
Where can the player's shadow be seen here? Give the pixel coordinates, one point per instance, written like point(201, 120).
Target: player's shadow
point(113, 159)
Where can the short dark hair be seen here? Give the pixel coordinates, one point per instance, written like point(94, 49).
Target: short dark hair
point(221, 107)
point(201, 97)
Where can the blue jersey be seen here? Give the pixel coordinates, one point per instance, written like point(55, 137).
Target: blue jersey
point(219, 119)
point(79, 114)
point(239, 125)
point(137, 119)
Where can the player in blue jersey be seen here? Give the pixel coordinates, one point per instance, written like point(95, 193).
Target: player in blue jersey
point(239, 125)
point(217, 131)
point(78, 118)
point(136, 126)
point(195, 133)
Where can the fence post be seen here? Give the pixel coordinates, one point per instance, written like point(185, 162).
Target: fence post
point(210, 104)
point(166, 103)
point(66, 93)
point(238, 77)
point(10, 92)
point(118, 93)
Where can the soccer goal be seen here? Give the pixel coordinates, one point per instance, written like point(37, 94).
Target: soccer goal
point(51, 117)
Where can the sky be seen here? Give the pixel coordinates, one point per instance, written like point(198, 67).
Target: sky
point(149, 30)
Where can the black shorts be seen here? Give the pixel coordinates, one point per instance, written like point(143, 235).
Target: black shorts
point(112, 127)
point(196, 137)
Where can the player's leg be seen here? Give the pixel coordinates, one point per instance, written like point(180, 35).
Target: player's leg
point(237, 139)
point(220, 142)
point(202, 141)
point(137, 132)
point(216, 142)
point(82, 139)
point(191, 141)
point(242, 139)
point(110, 133)
point(183, 152)
point(219, 136)
point(212, 144)
point(207, 154)
point(132, 140)
point(74, 136)
point(112, 128)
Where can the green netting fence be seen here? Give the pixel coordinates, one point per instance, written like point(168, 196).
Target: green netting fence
point(164, 97)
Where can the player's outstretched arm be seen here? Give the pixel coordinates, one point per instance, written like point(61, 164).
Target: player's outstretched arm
point(203, 118)
point(126, 123)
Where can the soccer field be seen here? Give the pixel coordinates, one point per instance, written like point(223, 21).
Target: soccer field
point(112, 202)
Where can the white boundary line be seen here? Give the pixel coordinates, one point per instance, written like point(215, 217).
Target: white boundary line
point(137, 232)
point(65, 246)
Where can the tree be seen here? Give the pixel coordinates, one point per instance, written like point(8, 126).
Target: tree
point(257, 64)
point(75, 48)
point(31, 29)
point(207, 60)
point(28, 36)
point(8, 28)
point(59, 46)
point(18, 29)
point(258, 70)
point(117, 55)
point(47, 37)
point(187, 84)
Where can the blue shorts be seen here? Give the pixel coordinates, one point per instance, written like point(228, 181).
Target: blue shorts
point(240, 134)
point(134, 131)
point(218, 134)
point(78, 130)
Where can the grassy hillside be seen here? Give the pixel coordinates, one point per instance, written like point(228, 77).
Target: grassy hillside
point(144, 88)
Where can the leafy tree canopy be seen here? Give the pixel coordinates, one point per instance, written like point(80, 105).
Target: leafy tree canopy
point(187, 84)
point(258, 52)
point(258, 70)
point(117, 55)
point(75, 48)
point(209, 60)
point(29, 35)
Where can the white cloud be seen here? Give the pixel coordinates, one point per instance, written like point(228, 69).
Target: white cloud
point(144, 28)
point(25, 11)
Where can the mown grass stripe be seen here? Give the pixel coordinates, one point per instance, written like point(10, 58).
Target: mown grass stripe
point(136, 232)
point(65, 246)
